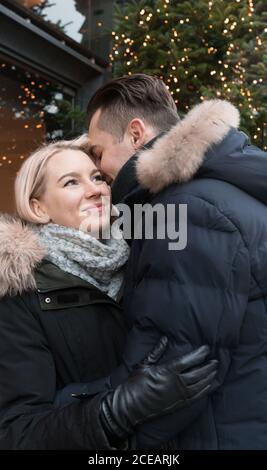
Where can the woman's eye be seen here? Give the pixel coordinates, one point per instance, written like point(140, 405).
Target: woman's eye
point(99, 178)
point(70, 181)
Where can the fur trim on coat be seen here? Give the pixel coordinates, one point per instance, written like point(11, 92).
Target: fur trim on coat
point(20, 253)
point(176, 157)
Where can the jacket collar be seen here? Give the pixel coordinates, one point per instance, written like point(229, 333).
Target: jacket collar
point(49, 277)
point(177, 156)
point(126, 186)
point(23, 267)
point(57, 289)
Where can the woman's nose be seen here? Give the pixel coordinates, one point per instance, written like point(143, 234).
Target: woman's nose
point(92, 189)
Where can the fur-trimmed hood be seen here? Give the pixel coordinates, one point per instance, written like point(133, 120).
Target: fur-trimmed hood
point(20, 253)
point(205, 144)
point(178, 155)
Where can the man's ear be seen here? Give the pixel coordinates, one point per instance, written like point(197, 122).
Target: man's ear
point(40, 211)
point(137, 130)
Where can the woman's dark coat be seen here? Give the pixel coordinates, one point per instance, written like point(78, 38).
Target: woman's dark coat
point(62, 331)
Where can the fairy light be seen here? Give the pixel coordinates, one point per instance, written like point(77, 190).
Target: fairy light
point(227, 74)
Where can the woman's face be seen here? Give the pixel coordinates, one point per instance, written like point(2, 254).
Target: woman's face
point(75, 194)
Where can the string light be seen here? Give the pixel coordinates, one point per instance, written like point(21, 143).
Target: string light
point(228, 75)
point(31, 117)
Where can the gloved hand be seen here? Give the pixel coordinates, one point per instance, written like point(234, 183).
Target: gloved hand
point(153, 390)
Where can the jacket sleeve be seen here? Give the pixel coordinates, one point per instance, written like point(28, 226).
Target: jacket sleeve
point(197, 295)
point(28, 419)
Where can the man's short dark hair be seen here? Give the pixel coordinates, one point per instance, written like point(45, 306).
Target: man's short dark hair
point(133, 96)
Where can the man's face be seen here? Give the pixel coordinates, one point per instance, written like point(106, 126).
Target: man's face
point(109, 153)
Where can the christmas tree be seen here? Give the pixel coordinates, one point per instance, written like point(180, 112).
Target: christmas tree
point(201, 49)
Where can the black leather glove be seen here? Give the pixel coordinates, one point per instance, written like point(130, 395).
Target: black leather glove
point(154, 390)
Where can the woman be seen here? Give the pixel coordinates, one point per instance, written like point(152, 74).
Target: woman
point(59, 321)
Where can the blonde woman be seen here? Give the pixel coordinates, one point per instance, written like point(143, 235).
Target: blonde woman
point(60, 325)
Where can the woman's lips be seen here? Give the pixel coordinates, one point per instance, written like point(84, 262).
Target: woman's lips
point(95, 207)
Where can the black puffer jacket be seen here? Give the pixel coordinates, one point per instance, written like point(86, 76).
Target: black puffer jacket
point(212, 291)
point(63, 331)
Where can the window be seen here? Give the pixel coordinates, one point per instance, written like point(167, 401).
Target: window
point(33, 110)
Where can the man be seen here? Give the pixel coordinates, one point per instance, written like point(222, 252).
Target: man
point(214, 289)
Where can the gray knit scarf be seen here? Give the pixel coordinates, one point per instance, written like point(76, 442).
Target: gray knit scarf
point(82, 255)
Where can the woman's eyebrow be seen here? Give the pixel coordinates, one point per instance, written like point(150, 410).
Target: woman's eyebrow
point(73, 173)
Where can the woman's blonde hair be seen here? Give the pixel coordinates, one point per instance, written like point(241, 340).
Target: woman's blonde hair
point(30, 180)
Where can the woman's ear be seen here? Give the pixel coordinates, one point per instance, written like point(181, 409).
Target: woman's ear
point(39, 211)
